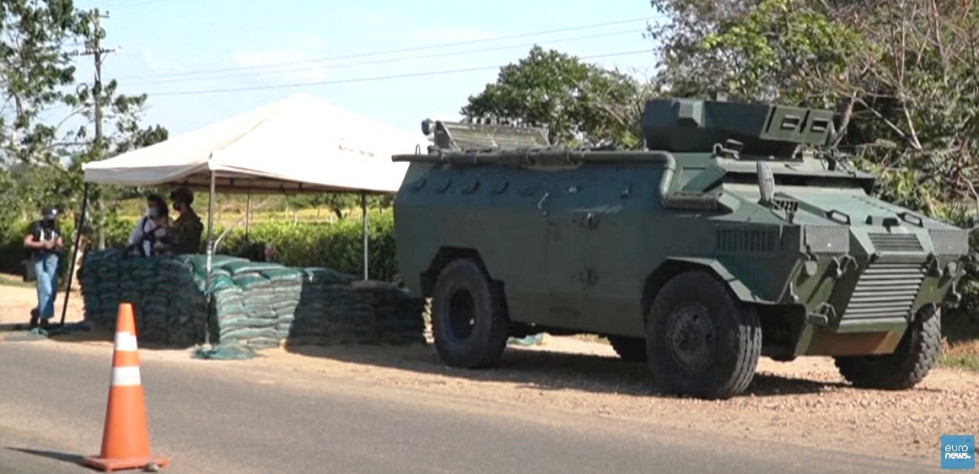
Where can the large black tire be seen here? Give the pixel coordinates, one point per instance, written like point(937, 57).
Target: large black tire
point(469, 319)
point(632, 349)
point(912, 359)
point(700, 341)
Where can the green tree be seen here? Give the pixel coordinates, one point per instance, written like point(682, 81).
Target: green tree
point(34, 66)
point(769, 50)
point(577, 102)
point(901, 74)
point(38, 82)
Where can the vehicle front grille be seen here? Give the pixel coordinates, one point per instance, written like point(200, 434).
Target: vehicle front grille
point(885, 290)
point(895, 242)
point(747, 241)
point(786, 204)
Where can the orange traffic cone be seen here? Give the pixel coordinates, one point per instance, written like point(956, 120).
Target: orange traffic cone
point(125, 440)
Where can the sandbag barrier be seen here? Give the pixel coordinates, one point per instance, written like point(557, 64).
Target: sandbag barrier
point(257, 305)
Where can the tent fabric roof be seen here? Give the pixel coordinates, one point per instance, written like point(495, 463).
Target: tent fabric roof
point(298, 144)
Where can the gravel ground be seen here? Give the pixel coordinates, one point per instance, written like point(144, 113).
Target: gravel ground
point(804, 402)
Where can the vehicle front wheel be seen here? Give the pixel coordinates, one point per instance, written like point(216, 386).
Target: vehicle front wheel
point(700, 341)
point(912, 359)
point(469, 320)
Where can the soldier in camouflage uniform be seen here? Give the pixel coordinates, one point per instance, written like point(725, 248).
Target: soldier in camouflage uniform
point(188, 228)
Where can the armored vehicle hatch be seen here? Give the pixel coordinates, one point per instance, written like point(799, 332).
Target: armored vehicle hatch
point(474, 135)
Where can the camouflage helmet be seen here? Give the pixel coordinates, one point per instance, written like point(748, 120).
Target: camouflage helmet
point(183, 195)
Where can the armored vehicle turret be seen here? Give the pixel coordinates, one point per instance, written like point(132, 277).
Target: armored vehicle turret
point(735, 234)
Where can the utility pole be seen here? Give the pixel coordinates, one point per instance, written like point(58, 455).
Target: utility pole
point(96, 51)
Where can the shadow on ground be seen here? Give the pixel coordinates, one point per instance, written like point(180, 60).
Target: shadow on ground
point(70, 333)
point(58, 456)
point(545, 370)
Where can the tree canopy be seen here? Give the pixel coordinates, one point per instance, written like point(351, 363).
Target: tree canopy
point(900, 74)
point(577, 102)
point(48, 114)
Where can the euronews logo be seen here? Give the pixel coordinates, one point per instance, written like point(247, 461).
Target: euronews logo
point(958, 452)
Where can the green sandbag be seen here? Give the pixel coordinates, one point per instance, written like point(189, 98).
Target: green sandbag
point(260, 343)
point(237, 268)
point(282, 273)
point(226, 352)
point(327, 275)
point(245, 322)
point(222, 283)
point(248, 333)
point(250, 281)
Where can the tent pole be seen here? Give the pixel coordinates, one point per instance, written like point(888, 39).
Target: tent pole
point(74, 252)
point(210, 258)
point(363, 208)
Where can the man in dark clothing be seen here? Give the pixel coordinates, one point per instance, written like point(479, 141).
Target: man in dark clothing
point(187, 228)
point(44, 244)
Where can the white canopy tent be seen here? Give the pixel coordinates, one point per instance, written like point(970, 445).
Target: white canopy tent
point(300, 144)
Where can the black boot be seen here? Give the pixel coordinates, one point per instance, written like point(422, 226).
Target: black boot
point(34, 318)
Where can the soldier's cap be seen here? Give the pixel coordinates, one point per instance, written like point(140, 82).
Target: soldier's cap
point(49, 213)
point(183, 195)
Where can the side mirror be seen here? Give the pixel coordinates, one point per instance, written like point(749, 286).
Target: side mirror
point(766, 183)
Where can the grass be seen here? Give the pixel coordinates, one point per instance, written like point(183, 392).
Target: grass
point(225, 218)
point(228, 212)
point(13, 280)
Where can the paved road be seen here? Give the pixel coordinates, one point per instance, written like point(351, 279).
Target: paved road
point(214, 416)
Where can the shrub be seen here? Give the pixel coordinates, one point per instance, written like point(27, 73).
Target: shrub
point(304, 244)
point(338, 246)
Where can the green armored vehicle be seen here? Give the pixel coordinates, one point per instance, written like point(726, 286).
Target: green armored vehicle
point(737, 234)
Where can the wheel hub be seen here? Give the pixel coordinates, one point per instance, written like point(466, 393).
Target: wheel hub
point(690, 336)
point(462, 314)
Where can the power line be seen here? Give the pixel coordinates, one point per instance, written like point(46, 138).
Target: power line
point(378, 61)
point(391, 51)
point(134, 3)
point(372, 78)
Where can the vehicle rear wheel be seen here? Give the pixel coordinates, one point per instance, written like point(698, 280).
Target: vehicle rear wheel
point(700, 341)
point(469, 320)
point(632, 349)
point(910, 362)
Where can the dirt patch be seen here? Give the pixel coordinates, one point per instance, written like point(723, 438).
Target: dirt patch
point(804, 402)
point(17, 300)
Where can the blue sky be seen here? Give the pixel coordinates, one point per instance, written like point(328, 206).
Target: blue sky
point(181, 51)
